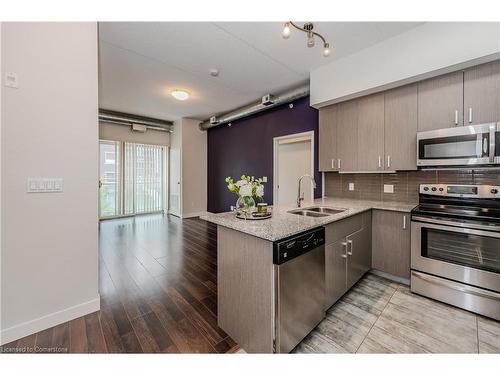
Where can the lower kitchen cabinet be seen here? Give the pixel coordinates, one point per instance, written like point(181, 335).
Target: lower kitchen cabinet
point(359, 254)
point(347, 254)
point(391, 242)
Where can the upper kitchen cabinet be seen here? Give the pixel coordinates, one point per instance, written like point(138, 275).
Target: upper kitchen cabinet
point(482, 94)
point(371, 133)
point(440, 102)
point(401, 128)
point(347, 136)
point(328, 139)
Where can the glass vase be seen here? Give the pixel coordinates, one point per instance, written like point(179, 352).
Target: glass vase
point(245, 206)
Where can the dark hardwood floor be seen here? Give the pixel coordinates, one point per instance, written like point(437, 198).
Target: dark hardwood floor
point(158, 286)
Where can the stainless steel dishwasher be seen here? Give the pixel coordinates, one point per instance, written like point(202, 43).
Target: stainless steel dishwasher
point(299, 275)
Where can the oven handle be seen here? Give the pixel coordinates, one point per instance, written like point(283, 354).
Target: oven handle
point(463, 226)
point(461, 288)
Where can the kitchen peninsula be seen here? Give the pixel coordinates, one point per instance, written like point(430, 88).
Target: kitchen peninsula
point(248, 273)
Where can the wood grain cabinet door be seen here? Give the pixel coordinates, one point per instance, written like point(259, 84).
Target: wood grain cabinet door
point(440, 102)
point(401, 129)
point(335, 271)
point(391, 242)
point(359, 255)
point(482, 94)
point(328, 139)
point(347, 136)
point(370, 148)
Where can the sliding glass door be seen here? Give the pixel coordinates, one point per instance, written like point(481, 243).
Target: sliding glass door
point(143, 179)
point(109, 179)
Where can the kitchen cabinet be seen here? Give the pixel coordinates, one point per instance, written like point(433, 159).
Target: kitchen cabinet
point(391, 242)
point(335, 271)
point(400, 135)
point(347, 136)
point(482, 94)
point(359, 256)
point(347, 254)
point(440, 102)
point(370, 145)
point(328, 139)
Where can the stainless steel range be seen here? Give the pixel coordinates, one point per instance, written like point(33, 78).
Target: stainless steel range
point(455, 246)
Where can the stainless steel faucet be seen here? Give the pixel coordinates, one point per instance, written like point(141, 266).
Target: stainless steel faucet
point(301, 198)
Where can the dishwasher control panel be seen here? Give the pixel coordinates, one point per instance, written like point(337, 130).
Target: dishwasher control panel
point(294, 246)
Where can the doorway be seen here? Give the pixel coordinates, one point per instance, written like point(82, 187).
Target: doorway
point(293, 157)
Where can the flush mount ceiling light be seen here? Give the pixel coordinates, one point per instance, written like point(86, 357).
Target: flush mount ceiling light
point(308, 29)
point(180, 94)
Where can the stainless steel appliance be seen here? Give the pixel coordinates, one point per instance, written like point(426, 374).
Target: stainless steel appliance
point(455, 246)
point(460, 146)
point(299, 269)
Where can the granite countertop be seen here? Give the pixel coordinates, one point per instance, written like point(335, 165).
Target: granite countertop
point(284, 224)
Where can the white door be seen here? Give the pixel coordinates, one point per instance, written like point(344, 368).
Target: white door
point(293, 159)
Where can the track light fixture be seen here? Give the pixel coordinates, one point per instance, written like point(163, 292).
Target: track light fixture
point(308, 29)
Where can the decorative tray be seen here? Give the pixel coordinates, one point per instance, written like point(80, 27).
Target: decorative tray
point(255, 216)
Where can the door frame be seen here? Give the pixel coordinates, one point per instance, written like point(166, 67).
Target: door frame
point(276, 141)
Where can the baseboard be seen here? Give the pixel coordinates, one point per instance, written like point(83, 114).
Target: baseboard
point(36, 325)
point(194, 214)
point(390, 276)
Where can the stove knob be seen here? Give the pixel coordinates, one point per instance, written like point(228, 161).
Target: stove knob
point(434, 188)
point(494, 191)
point(441, 189)
point(426, 188)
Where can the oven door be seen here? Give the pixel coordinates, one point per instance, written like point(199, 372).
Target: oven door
point(464, 145)
point(446, 249)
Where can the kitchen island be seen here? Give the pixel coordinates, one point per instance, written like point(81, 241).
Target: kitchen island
point(247, 277)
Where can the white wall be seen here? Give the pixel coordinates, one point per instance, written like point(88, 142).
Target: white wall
point(175, 170)
point(49, 129)
point(115, 132)
point(1, 88)
point(194, 169)
point(422, 52)
point(188, 169)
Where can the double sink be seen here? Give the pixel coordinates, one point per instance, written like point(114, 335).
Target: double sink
point(316, 211)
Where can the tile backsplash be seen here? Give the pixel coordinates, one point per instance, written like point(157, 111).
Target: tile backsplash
point(371, 185)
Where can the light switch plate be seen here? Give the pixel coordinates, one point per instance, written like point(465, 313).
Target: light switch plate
point(351, 186)
point(389, 189)
point(11, 80)
point(44, 185)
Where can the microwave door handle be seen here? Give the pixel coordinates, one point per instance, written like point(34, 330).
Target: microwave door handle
point(492, 142)
point(479, 145)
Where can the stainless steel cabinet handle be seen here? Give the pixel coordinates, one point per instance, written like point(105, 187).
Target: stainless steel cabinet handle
point(456, 116)
point(338, 163)
point(380, 161)
point(333, 163)
point(404, 221)
point(344, 255)
point(388, 161)
point(470, 114)
point(349, 242)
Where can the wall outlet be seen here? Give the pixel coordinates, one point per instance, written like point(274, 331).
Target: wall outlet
point(351, 186)
point(389, 189)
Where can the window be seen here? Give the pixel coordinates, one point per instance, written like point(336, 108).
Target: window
point(133, 178)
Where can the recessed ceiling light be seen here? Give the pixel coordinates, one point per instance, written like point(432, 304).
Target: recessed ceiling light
point(180, 94)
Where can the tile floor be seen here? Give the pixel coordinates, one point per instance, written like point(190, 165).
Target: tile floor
point(381, 316)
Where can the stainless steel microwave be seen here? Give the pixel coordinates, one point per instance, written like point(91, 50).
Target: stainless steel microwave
point(460, 146)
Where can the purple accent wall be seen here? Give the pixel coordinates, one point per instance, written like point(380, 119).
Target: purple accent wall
point(246, 147)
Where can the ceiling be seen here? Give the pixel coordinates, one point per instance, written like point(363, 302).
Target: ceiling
point(142, 62)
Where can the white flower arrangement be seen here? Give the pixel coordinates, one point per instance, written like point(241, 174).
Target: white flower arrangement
point(247, 187)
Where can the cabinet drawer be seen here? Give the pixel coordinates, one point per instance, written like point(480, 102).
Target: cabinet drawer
point(343, 228)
